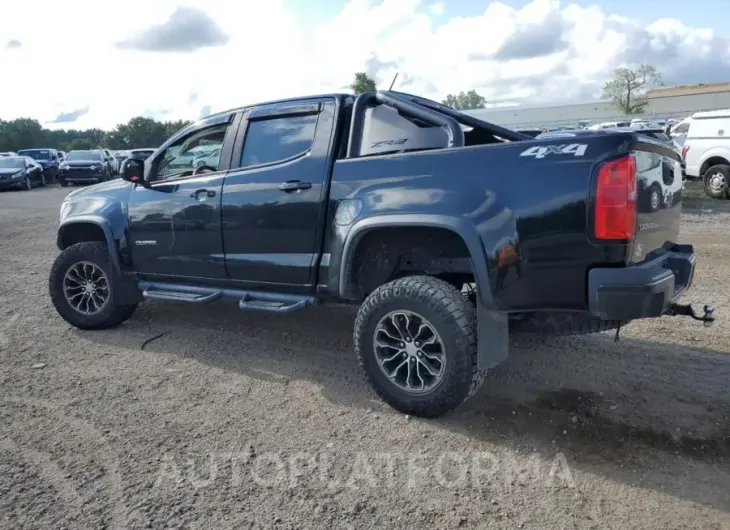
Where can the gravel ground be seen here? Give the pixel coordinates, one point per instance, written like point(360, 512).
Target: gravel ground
point(218, 418)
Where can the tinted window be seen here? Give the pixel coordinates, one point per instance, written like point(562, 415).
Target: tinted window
point(84, 155)
point(682, 128)
point(278, 139)
point(12, 163)
point(141, 155)
point(38, 154)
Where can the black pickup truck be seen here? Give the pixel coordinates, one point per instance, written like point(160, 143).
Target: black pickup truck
point(446, 230)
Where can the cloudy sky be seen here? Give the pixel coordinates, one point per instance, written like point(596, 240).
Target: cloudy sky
point(96, 63)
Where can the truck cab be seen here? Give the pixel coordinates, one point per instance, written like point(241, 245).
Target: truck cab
point(429, 220)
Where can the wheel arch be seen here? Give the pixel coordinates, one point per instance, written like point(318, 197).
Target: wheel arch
point(88, 228)
point(713, 160)
point(492, 325)
point(462, 232)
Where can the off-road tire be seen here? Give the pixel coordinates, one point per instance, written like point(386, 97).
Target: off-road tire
point(95, 252)
point(560, 323)
point(723, 192)
point(454, 318)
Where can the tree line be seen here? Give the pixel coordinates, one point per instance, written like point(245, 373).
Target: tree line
point(26, 133)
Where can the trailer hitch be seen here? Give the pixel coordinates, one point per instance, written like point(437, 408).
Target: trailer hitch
point(688, 310)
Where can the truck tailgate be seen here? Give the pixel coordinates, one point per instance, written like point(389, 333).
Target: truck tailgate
point(659, 200)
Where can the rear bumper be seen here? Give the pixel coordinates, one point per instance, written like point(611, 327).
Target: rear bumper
point(641, 291)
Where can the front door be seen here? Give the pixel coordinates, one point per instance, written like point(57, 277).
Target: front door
point(274, 195)
point(175, 222)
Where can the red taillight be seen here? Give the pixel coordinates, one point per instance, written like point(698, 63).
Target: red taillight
point(616, 199)
point(684, 152)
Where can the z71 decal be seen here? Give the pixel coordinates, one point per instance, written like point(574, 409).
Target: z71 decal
point(541, 151)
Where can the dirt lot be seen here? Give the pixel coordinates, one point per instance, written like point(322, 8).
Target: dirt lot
point(228, 419)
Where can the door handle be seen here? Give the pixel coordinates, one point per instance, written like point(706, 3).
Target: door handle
point(294, 185)
point(202, 194)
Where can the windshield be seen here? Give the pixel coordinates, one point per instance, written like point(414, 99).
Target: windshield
point(84, 155)
point(11, 163)
point(37, 154)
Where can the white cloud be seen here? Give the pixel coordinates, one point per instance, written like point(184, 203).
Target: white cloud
point(436, 9)
point(257, 51)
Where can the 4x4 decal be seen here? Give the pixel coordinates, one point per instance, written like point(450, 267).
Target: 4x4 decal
point(541, 151)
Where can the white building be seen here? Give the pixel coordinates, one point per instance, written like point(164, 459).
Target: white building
point(663, 103)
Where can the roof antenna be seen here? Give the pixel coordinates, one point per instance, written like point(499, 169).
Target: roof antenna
point(393, 83)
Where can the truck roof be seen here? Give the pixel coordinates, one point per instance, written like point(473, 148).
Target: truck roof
point(721, 113)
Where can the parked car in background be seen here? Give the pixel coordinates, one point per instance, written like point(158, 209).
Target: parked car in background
point(8, 153)
point(112, 161)
point(706, 151)
point(47, 158)
point(208, 158)
point(678, 132)
point(20, 172)
point(84, 166)
point(121, 156)
point(61, 156)
point(142, 153)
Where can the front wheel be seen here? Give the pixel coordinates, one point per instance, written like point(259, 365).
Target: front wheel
point(63, 182)
point(717, 180)
point(416, 341)
point(82, 288)
point(27, 183)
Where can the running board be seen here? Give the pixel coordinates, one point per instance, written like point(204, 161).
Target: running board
point(247, 300)
point(171, 296)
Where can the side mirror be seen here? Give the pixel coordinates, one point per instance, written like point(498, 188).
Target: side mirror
point(133, 171)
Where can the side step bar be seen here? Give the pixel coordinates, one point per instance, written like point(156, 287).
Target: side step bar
point(247, 300)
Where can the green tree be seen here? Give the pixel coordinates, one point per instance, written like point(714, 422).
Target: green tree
point(627, 90)
point(23, 133)
point(465, 100)
point(79, 144)
point(171, 127)
point(140, 132)
point(363, 83)
point(26, 133)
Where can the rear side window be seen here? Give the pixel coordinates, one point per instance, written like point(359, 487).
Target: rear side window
point(277, 139)
point(682, 128)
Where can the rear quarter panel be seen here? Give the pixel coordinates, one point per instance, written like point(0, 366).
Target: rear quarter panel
point(525, 195)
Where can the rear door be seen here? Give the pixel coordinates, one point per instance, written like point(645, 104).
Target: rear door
point(274, 196)
point(175, 223)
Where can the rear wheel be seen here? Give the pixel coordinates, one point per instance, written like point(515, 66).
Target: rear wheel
point(82, 288)
point(415, 340)
point(717, 180)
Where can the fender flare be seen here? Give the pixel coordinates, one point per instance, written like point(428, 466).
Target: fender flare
point(459, 226)
point(492, 325)
point(106, 228)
